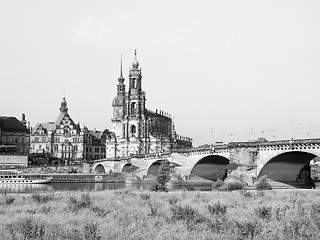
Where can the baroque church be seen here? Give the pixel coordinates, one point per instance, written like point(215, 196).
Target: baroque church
point(136, 130)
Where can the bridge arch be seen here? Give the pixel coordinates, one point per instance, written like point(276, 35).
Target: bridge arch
point(128, 168)
point(289, 167)
point(154, 168)
point(211, 167)
point(99, 169)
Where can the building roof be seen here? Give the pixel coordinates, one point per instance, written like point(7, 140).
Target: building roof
point(12, 124)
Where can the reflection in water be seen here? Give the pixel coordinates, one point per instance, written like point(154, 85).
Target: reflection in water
point(64, 187)
point(25, 188)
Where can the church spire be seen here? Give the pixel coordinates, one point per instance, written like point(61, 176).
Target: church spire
point(135, 63)
point(121, 78)
point(121, 88)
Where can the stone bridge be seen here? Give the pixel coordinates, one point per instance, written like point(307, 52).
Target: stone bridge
point(284, 161)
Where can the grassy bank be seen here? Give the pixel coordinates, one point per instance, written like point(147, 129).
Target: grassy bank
point(281, 214)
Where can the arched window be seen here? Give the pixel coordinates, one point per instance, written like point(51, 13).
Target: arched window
point(133, 130)
point(133, 107)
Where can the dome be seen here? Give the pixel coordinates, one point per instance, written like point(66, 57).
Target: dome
point(118, 101)
point(135, 64)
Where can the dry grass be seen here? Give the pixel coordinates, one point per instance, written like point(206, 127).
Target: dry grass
point(280, 214)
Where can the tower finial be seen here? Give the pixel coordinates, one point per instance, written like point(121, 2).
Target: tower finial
point(135, 63)
point(121, 67)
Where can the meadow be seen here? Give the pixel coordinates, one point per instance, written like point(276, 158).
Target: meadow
point(127, 214)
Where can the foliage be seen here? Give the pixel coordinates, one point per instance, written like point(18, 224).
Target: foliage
point(217, 208)
point(75, 205)
point(246, 194)
point(145, 196)
point(217, 184)
point(232, 186)
point(263, 184)
point(289, 214)
point(163, 177)
point(91, 231)
point(190, 187)
point(42, 198)
point(264, 212)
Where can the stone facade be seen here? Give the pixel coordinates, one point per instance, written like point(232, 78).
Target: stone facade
point(65, 140)
point(137, 130)
point(14, 136)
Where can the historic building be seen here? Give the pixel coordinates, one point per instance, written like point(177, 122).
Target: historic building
point(65, 140)
point(14, 136)
point(137, 130)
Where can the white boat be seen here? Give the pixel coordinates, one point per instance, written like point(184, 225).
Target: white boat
point(17, 177)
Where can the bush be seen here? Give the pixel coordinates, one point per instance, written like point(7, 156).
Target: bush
point(217, 209)
point(91, 231)
point(26, 228)
point(190, 187)
point(263, 212)
point(217, 185)
point(75, 205)
point(9, 200)
point(232, 186)
point(247, 229)
point(185, 213)
point(42, 198)
point(263, 184)
point(246, 194)
point(145, 196)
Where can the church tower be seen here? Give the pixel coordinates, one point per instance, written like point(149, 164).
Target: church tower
point(118, 105)
point(136, 132)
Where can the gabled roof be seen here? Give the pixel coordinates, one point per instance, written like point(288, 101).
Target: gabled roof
point(12, 124)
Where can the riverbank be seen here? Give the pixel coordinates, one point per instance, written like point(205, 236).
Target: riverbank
point(124, 214)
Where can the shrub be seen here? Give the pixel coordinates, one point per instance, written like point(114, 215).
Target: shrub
point(99, 211)
point(145, 196)
point(153, 208)
point(232, 186)
point(263, 212)
point(9, 200)
point(186, 213)
point(263, 184)
point(91, 231)
point(42, 198)
point(217, 209)
point(173, 200)
point(247, 229)
point(75, 205)
point(190, 187)
point(246, 194)
point(27, 228)
point(217, 185)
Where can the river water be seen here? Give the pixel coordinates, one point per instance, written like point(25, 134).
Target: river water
point(67, 187)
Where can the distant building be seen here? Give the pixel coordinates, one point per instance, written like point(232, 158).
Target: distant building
point(14, 136)
point(137, 130)
point(65, 140)
point(95, 144)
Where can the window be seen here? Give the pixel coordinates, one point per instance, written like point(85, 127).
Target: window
point(40, 146)
point(133, 129)
point(96, 150)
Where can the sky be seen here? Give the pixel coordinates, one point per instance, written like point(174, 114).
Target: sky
point(226, 70)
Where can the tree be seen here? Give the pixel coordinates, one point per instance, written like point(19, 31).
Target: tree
point(163, 177)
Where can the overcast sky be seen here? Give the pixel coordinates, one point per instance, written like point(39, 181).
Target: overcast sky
point(235, 67)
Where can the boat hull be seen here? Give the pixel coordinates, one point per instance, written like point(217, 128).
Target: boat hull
point(26, 181)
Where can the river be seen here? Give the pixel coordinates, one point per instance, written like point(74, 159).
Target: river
point(67, 187)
